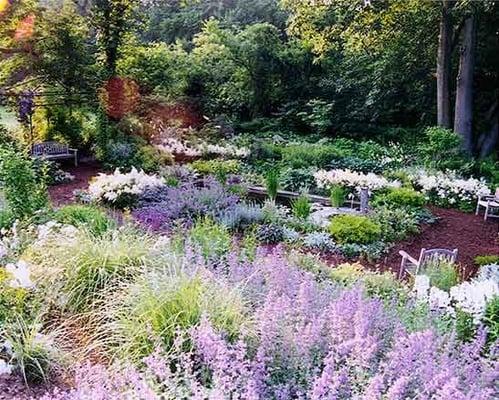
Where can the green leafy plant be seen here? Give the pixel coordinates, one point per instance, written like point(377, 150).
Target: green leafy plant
point(338, 195)
point(400, 197)
point(272, 183)
point(487, 259)
point(301, 206)
point(219, 168)
point(90, 217)
point(213, 240)
point(354, 229)
point(442, 141)
point(24, 193)
point(442, 274)
point(491, 319)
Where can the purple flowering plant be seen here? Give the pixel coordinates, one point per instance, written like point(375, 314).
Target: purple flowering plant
point(305, 340)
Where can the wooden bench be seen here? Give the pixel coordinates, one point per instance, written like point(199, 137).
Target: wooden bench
point(54, 151)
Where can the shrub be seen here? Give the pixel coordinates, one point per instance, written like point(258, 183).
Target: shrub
point(23, 191)
point(357, 164)
point(301, 206)
point(400, 197)
point(354, 229)
point(270, 233)
point(305, 155)
point(396, 223)
point(221, 169)
point(442, 141)
point(298, 179)
point(487, 259)
point(185, 204)
point(338, 195)
point(211, 239)
point(442, 274)
point(241, 216)
point(320, 241)
point(90, 217)
point(12, 300)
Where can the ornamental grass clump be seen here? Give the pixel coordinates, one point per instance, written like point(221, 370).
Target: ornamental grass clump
point(154, 308)
point(78, 270)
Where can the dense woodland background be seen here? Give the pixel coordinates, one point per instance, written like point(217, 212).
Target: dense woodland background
point(382, 69)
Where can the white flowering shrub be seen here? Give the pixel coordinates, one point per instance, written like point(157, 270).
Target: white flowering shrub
point(471, 297)
point(121, 189)
point(352, 179)
point(449, 190)
point(178, 147)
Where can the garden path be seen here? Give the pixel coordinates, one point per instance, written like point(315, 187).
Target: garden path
point(63, 193)
point(469, 233)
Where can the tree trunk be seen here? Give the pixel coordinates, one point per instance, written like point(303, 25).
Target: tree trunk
point(463, 118)
point(444, 66)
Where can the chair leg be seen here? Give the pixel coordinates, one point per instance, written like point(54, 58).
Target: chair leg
point(477, 208)
point(486, 213)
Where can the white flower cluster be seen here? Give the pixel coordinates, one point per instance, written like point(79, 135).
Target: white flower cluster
point(55, 232)
point(111, 187)
point(449, 187)
point(471, 297)
point(228, 150)
point(176, 146)
point(21, 275)
point(352, 179)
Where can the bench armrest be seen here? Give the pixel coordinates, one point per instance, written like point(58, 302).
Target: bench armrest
point(405, 255)
point(73, 150)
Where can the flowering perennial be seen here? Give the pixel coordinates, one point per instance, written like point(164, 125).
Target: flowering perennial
point(471, 297)
point(306, 341)
point(110, 187)
point(352, 179)
point(448, 189)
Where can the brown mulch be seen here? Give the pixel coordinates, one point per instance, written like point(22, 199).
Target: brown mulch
point(12, 387)
point(468, 233)
point(63, 193)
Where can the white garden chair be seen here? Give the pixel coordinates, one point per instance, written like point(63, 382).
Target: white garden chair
point(411, 265)
point(489, 202)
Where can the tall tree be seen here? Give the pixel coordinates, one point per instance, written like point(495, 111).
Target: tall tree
point(444, 65)
point(463, 118)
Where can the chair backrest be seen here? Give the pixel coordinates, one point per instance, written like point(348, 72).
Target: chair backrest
point(47, 148)
point(437, 255)
point(497, 193)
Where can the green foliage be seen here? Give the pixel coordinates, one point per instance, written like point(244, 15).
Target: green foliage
point(212, 239)
point(272, 183)
point(317, 115)
point(12, 300)
point(440, 142)
point(381, 285)
point(305, 155)
point(298, 179)
point(301, 206)
point(24, 193)
point(221, 169)
point(442, 274)
point(491, 319)
point(396, 223)
point(400, 197)
point(465, 327)
point(87, 216)
point(487, 259)
point(154, 308)
point(337, 196)
point(354, 229)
